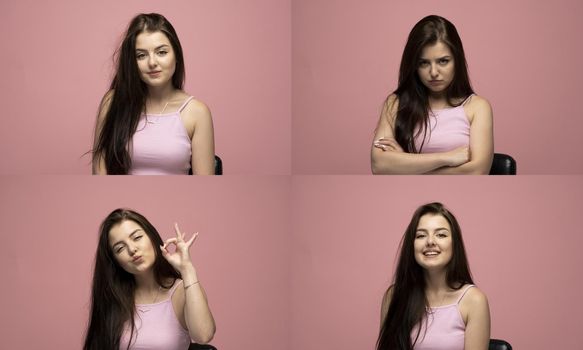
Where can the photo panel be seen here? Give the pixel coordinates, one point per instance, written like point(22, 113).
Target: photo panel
point(520, 234)
point(50, 226)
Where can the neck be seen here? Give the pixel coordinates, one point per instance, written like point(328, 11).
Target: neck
point(435, 281)
point(436, 98)
point(146, 282)
point(160, 94)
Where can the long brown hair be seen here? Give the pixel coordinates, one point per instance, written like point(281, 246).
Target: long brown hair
point(408, 300)
point(130, 93)
point(112, 295)
point(413, 113)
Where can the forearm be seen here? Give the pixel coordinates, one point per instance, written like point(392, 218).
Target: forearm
point(395, 163)
point(469, 168)
point(198, 316)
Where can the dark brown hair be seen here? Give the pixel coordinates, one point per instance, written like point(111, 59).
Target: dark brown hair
point(413, 113)
point(112, 295)
point(408, 300)
point(130, 93)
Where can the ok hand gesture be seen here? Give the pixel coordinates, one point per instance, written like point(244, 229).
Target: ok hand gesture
point(180, 258)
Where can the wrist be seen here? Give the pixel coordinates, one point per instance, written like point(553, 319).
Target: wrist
point(188, 274)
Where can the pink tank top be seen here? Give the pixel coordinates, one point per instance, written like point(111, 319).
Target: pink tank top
point(157, 327)
point(161, 145)
point(448, 129)
point(444, 329)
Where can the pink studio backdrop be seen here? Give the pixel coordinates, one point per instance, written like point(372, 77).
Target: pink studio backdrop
point(345, 61)
point(49, 229)
point(238, 61)
point(521, 235)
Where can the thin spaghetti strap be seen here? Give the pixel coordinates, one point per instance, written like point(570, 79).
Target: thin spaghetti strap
point(467, 98)
point(176, 284)
point(185, 103)
point(464, 293)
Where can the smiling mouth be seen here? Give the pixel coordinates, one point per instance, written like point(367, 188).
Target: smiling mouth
point(430, 254)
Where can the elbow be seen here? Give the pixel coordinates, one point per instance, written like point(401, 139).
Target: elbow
point(206, 336)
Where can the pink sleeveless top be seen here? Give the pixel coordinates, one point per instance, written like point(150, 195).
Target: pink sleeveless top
point(157, 327)
point(444, 329)
point(161, 145)
point(448, 129)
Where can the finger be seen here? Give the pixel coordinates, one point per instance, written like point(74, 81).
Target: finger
point(192, 239)
point(170, 241)
point(164, 251)
point(179, 235)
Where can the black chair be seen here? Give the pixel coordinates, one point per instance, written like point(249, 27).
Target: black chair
point(218, 166)
point(195, 346)
point(497, 344)
point(503, 164)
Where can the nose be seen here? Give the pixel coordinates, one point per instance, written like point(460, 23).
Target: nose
point(152, 60)
point(430, 240)
point(433, 71)
point(132, 250)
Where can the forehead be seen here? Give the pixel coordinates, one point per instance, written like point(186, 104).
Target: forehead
point(432, 222)
point(434, 51)
point(122, 231)
point(150, 41)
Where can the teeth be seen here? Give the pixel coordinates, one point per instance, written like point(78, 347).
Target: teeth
point(431, 253)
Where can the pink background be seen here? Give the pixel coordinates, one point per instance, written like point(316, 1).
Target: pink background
point(521, 55)
point(522, 236)
point(57, 66)
point(49, 229)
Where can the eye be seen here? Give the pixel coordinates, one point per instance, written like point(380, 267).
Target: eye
point(444, 61)
point(162, 53)
point(419, 235)
point(423, 63)
point(136, 238)
point(140, 56)
point(119, 249)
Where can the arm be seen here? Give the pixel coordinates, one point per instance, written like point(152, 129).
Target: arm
point(196, 313)
point(481, 143)
point(395, 161)
point(385, 304)
point(98, 163)
point(475, 305)
point(202, 142)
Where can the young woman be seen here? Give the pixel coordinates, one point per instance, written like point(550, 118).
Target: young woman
point(145, 296)
point(433, 123)
point(432, 303)
point(146, 123)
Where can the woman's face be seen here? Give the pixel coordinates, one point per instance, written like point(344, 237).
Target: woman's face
point(433, 242)
point(132, 247)
point(436, 67)
point(156, 59)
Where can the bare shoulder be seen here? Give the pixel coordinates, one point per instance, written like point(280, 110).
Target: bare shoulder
point(478, 106)
point(104, 106)
point(474, 296)
point(474, 302)
point(196, 110)
point(392, 104)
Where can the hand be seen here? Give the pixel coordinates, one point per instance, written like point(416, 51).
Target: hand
point(458, 156)
point(180, 258)
point(388, 145)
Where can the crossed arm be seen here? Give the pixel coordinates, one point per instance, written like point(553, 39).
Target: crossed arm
point(387, 157)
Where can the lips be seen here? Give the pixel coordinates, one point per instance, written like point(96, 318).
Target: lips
point(137, 258)
point(435, 82)
point(154, 73)
point(431, 253)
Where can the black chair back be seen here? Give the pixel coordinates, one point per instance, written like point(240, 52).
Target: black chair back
point(503, 164)
point(218, 166)
point(497, 344)
point(195, 346)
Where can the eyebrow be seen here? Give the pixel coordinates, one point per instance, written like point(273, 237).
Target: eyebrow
point(159, 47)
point(440, 58)
point(131, 234)
point(437, 229)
